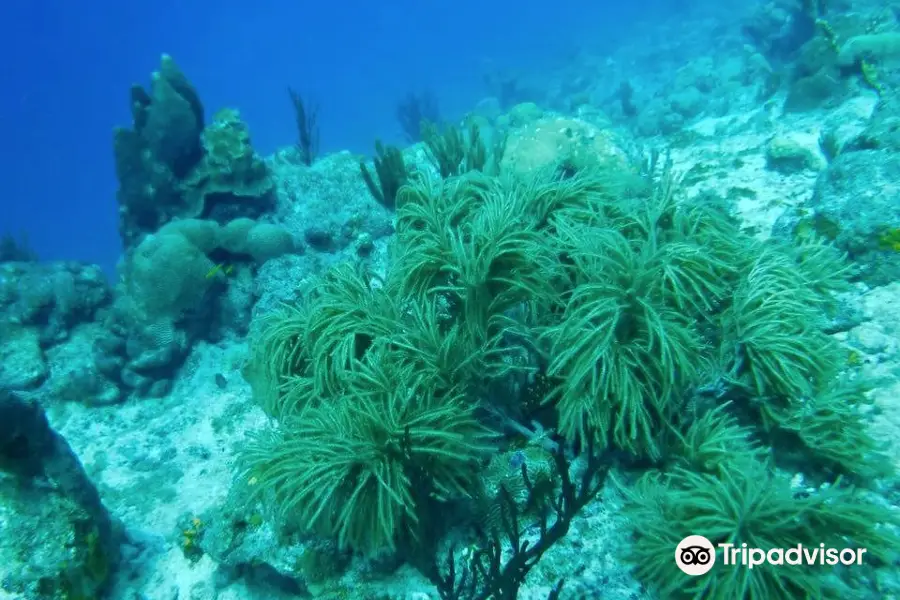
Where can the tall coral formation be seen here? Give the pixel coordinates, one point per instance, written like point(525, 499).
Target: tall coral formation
point(170, 165)
point(160, 149)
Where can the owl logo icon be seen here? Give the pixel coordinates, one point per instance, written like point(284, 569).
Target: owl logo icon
point(695, 555)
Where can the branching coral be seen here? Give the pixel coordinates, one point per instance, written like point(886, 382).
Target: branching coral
point(360, 467)
point(833, 429)
point(773, 327)
point(641, 321)
point(621, 355)
point(391, 173)
point(626, 345)
point(349, 312)
point(747, 504)
point(711, 442)
point(492, 573)
point(454, 152)
point(429, 212)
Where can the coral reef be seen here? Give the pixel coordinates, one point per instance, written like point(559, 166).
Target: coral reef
point(77, 549)
point(171, 164)
point(524, 358)
point(661, 311)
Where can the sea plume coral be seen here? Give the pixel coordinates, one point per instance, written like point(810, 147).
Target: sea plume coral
point(620, 352)
point(360, 468)
point(749, 504)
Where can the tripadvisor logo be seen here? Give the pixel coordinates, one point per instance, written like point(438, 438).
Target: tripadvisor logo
point(696, 555)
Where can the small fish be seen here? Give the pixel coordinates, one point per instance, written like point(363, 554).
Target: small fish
point(220, 268)
point(221, 381)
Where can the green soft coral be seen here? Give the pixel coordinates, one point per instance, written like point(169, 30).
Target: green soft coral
point(748, 503)
point(833, 428)
point(627, 343)
point(363, 468)
point(607, 308)
point(620, 354)
point(773, 332)
point(711, 442)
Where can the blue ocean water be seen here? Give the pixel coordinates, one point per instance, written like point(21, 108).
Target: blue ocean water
point(69, 68)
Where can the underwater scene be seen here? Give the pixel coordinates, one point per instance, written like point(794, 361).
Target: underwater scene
point(624, 325)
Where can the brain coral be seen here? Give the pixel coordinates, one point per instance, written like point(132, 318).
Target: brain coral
point(551, 141)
